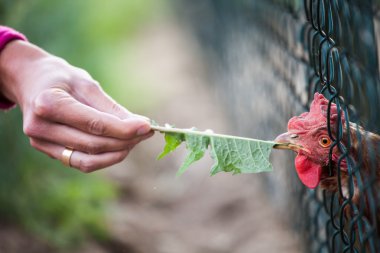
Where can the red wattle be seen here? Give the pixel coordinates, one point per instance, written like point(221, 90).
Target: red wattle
point(308, 171)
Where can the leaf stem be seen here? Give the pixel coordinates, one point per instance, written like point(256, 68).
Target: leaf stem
point(204, 133)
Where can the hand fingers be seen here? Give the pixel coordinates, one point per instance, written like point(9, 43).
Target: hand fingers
point(59, 106)
point(92, 94)
point(98, 99)
point(82, 161)
point(79, 140)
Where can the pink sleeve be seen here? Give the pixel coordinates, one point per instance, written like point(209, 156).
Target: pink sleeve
point(6, 35)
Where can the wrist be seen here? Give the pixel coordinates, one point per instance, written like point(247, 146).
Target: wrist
point(17, 64)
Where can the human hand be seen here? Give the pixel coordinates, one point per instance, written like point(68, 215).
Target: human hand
point(64, 107)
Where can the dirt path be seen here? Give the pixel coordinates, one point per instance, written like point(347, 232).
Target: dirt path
point(159, 213)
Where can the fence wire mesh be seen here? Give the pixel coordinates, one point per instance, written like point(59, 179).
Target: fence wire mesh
point(325, 46)
point(343, 65)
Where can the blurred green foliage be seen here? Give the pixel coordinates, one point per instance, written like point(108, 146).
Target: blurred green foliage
point(60, 205)
point(92, 34)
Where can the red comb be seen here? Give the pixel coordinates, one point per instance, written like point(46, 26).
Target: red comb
point(317, 116)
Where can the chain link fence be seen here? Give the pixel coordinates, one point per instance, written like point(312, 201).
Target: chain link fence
point(268, 58)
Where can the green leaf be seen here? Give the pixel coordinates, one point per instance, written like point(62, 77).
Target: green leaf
point(173, 140)
point(240, 156)
point(230, 153)
point(197, 145)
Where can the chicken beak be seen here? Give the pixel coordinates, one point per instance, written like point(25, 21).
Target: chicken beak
point(287, 141)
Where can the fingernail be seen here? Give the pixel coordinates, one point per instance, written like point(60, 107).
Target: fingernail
point(143, 130)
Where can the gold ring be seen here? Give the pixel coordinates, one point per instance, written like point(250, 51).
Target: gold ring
point(66, 156)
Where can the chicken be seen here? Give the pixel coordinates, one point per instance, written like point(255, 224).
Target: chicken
point(308, 136)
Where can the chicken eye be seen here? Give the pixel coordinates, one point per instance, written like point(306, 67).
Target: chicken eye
point(324, 141)
point(294, 136)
